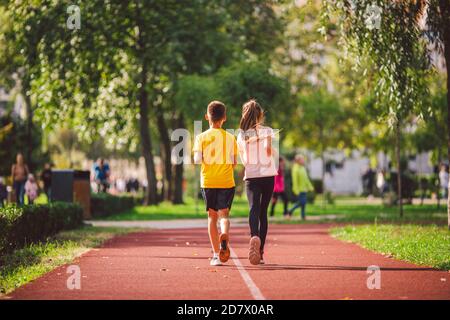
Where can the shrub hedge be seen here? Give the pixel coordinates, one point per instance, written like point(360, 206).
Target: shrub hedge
point(104, 204)
point(20, 226)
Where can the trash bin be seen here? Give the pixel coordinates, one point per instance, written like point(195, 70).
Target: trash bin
point(72, 186)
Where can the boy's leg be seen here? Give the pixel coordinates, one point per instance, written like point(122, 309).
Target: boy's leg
point(224, 239)
point(224, 220)
point(212, 230)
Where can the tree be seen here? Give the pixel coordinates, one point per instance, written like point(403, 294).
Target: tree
point(136, 51)
point(388, 36)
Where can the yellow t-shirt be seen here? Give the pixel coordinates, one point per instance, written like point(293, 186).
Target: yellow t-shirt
point(219, 149)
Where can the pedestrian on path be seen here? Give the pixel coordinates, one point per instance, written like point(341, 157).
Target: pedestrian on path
point(46, 178)
point(19, 174)
point(255, 149)
point(278, 190)
point(300, 185)
point(31, 189)
point(216, 150)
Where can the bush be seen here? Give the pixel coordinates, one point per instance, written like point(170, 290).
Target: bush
point(104, 204)
point(20, 226)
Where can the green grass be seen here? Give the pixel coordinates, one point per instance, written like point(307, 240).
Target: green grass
point(29, 263)
point(345, 209)
point(427, 245)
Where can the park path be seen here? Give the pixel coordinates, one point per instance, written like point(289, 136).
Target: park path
point(303, 262)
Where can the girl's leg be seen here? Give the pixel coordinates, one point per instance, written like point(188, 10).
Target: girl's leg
point(254, 201)
point(266, 195)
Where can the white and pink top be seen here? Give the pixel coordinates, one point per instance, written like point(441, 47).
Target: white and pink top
point(252, 146)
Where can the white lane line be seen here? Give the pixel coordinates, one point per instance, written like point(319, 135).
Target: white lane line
point(254, 290)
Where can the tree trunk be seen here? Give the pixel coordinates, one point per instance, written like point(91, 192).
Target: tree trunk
point(324, 167)
point(445, 12)
point(166, 154)
point(29, 128)
point(150, 196)
point(178, 172)
point(399, 169)
point(437, 185)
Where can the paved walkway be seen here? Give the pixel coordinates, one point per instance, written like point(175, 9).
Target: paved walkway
point(303, 262)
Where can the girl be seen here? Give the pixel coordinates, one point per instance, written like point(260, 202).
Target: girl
point(255, 149)
point(31, 189)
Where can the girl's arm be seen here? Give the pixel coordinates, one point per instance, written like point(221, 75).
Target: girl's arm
point(198, 157)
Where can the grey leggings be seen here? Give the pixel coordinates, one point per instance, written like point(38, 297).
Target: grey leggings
point(259, 193)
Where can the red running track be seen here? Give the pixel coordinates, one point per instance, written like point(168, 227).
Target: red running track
point(303, 262)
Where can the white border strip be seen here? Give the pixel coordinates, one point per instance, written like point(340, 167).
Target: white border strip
point(254, 290)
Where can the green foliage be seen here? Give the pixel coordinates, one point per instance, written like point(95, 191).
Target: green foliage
point(193, 94)
point(104, 204)
point(396, 51)
point(26, 264)
point(13, 141)
point(24, 225)
point(242, 81)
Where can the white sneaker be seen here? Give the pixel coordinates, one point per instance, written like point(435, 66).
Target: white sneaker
point(215, 261)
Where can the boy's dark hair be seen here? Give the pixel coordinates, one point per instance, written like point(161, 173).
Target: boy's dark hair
point(216, 110)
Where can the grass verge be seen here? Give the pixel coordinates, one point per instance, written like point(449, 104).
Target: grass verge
point(26, 264)
point(426, 245)
point(343, 211)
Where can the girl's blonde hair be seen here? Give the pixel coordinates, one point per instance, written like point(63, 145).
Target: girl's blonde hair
point(252, 115)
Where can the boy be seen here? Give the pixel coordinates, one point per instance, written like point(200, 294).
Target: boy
point(216, 150)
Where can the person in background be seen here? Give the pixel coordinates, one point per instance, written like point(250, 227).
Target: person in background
point(31, 189)
point(443, 180)
point(101, 175)
point(300, 185)
point(3, 192)
point(19, 173)
point(278, 190)
point(46, 178)
point(381, 182)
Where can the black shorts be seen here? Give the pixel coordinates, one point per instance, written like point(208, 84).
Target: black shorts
point(218, 198)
